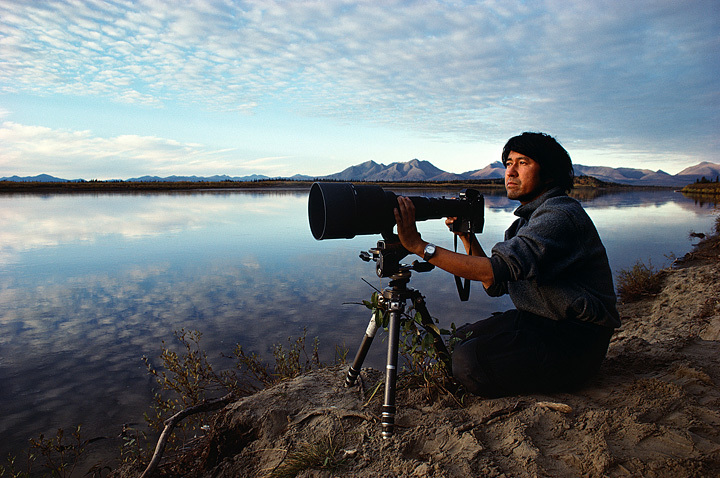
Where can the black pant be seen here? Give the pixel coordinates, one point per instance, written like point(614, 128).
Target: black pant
point(516, 352)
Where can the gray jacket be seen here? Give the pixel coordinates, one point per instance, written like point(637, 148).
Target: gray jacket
point(553, 263)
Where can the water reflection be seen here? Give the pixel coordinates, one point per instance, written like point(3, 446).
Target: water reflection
point(702, 199)
point(31, 222)
point(90, 283)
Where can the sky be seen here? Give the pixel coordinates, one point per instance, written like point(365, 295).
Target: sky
point(118, 89)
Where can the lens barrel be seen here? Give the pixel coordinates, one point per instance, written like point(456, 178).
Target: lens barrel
point(346, 210)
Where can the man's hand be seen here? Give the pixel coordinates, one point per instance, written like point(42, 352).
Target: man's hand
point(469, 240)
point(406, 227)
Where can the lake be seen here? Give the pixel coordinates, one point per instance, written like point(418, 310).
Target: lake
point(91, 283)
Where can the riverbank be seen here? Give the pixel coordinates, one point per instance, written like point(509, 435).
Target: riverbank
point(654, 410)
point(704, 188)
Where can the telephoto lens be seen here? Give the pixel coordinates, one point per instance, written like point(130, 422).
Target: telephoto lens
point(346, 210)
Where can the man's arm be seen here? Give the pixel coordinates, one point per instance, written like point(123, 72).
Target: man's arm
point(476, 267)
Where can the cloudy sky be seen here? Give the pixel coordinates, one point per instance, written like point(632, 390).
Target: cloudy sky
point(115, 89)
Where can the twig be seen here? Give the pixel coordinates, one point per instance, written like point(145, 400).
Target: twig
point(375, 390)
point(497, 413)
point(170, 423)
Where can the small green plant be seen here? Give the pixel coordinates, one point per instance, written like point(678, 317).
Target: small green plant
point(295, 360)
point(324, 454)
point(133, 450)
point(424, 366)
point(639, 281)
point(58, 455)
point(185, 379)
point(11, 469)
point(252, 374)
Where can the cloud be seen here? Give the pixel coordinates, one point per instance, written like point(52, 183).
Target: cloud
point(643, 71)
point(28, 149)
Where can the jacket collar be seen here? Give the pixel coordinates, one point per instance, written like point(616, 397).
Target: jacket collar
point(527, 210)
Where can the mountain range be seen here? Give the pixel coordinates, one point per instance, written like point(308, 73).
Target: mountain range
point(417, 170)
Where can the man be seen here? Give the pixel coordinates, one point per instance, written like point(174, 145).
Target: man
point(553, 265)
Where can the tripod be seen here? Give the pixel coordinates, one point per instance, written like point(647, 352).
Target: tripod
point(387, 256)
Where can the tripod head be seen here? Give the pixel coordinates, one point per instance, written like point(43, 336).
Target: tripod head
point(387, 256)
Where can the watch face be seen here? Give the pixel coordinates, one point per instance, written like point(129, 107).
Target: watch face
point(429, 251)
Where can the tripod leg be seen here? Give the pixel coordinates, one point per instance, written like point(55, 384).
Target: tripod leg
point(356, 366)
point(388, 409)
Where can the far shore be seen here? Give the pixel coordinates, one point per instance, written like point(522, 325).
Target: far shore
point(581, 182)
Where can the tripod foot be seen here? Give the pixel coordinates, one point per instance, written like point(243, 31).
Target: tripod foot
point(351, 376)
point(388, 421)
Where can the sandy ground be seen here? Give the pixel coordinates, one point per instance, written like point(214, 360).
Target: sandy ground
point(653, 411)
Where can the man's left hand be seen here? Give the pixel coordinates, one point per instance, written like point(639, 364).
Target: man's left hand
point(406, 228)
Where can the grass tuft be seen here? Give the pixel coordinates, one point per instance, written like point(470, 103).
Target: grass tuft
point(324, 454)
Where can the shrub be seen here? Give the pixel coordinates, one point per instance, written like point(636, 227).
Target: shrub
point(639, 281)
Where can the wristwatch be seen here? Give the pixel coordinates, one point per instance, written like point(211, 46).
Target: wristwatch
point(429, 251)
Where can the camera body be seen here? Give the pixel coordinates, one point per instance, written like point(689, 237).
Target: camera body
point(473, 218)
point(345, 210)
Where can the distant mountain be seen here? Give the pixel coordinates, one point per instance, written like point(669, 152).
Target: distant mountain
point(494, 170)
point(638, 177)
point(414, 170)
point(197, 179)
point(40, 178)
point(301, 177)
point(707, 170)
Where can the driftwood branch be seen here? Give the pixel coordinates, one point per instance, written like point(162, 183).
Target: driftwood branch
point(171, 423)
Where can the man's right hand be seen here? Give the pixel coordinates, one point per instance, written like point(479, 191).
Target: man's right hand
point(469, 240)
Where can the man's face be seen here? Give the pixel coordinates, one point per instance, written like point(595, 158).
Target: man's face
point(522, 178)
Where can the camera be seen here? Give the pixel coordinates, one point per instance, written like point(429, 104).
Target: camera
point(346, 210)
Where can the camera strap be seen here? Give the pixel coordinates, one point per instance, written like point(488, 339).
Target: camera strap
point(463, 287)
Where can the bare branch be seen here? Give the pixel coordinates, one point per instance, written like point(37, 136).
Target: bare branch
point(171, 423)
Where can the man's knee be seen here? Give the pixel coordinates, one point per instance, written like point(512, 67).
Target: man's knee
point(464, 359)
point(468, 371)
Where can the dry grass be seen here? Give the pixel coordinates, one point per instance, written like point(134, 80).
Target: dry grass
point(324, 454)
point(639, 281)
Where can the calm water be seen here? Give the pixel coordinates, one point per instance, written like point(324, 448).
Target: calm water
point(90, 283)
